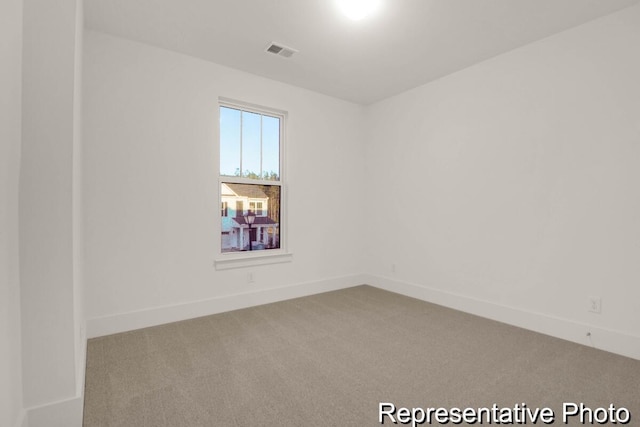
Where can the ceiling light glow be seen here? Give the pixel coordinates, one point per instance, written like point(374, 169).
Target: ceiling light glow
point(358, 9)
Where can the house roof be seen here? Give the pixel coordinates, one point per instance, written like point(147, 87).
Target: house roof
point(247, 190)
point(260, 220)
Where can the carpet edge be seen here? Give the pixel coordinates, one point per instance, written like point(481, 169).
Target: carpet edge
point(613, 341)
point(154, 316)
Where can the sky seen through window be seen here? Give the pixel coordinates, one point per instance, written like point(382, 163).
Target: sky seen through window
point(249, 144)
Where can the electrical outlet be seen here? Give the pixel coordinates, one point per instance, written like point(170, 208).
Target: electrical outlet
point(393, 267)
point(251, 277)
point(595, 305)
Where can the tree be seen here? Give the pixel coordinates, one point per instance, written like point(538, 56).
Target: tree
point(266, 176)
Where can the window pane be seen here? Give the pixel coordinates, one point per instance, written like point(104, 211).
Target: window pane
point(264, 202)
point(271, 148)
point(229, 141)
point(251, 145)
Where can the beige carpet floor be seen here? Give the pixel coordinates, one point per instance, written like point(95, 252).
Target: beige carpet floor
point(330, 359)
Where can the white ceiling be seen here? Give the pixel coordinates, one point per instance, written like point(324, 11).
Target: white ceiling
point(406, 44)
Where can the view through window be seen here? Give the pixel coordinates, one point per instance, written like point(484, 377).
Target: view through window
point(250, 178)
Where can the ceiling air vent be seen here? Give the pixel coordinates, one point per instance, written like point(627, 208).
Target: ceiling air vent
point(279, 49)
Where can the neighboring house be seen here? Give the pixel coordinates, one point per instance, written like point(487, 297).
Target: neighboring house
point(237, 200)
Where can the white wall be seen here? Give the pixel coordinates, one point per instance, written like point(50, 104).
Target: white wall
point(51, 327)
point(151, 200)
point(512, 187)
point(10, 116)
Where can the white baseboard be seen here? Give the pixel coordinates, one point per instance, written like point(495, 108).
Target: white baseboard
point(601, 338)
point(67, 413)
point(108, 325)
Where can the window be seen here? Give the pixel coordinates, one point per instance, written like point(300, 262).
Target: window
point(251, 141)
point(256, 207)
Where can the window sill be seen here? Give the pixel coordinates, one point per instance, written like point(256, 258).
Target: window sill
point(228, 262)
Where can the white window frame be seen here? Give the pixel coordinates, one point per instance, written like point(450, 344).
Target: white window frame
point(229, 260)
